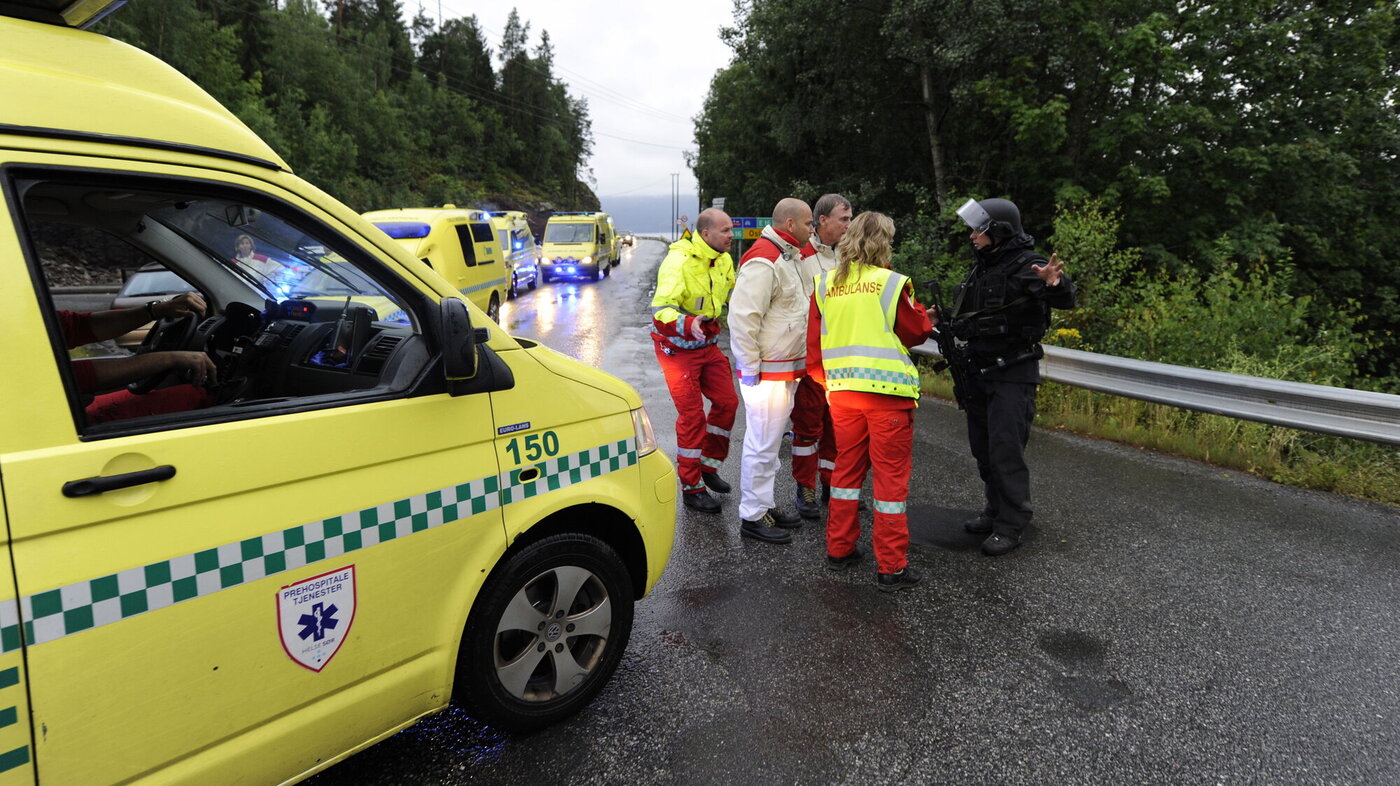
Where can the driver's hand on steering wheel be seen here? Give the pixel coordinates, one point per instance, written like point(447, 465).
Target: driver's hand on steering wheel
point(189, 303)
point(197, 367)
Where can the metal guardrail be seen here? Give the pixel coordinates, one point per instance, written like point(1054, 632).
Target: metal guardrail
point(88, 289)
point(1358, 414)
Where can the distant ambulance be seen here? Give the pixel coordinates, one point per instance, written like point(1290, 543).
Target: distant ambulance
point(577, 245)
point(460, 244)
point(518, 244)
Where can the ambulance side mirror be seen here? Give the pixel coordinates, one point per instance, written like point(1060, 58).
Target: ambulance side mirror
point(459, 360)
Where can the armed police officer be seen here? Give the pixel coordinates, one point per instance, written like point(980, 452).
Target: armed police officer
point(1001, 311)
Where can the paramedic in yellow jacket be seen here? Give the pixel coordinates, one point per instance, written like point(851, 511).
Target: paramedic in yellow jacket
point(692, 288)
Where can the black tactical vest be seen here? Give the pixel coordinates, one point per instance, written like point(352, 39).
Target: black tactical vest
point(993, 313)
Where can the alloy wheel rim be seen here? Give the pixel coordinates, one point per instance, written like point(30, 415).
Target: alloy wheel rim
point(553, 634)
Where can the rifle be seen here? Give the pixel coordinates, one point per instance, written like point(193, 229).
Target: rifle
point(954, 358)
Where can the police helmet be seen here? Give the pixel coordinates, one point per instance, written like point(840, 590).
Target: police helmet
point(999, 218)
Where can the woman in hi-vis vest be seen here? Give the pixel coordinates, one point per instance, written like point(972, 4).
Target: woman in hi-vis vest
point(862, 321)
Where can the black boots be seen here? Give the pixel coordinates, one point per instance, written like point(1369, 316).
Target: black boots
point(765, 529)
point(701, 501)
point(893, 582)
point(715, 482)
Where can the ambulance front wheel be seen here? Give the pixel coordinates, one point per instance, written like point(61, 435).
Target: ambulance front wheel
point(493, 309)
point(547, 632)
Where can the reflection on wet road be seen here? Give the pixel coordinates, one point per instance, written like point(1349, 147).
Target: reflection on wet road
point(575, 317)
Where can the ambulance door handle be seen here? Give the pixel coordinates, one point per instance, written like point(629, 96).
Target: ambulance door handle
point(104, 483)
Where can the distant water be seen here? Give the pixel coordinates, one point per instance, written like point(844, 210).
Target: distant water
point(647, 214)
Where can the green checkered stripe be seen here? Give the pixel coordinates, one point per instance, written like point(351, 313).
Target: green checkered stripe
point(9, 625)
point(882, 506)
point(876, 374)
point(492, 284)
point(840, 493)
point(54, 614)
point(10, 693)
point(561, 471)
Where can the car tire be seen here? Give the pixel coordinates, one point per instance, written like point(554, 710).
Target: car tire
point(545, 277)
point(597, 272)
point(493, 309)
point(526, 661)
point(534, 282)
point(514, 288)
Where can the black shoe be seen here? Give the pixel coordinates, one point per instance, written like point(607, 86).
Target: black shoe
point(807, 506)
point(892, 582)
point(978, 526)
point(999, 544)
point(764, 530)
point(784, 519)
point(841, 563)
point(715, 482)
point(701, 501)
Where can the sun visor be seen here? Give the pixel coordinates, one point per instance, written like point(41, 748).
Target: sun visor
point(975, 216)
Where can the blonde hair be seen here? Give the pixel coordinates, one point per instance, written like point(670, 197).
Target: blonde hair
point(867, 242)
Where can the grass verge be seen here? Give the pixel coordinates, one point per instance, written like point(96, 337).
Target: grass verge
point(1355, 468)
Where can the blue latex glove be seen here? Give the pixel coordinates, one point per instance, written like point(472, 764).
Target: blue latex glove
point(748, 380)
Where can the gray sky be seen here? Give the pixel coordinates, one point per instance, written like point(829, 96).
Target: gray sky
point(643, 65)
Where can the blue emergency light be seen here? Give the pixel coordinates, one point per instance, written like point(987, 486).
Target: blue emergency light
point(400, 230)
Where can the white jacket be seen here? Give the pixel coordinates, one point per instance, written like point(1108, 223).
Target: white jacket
point(768, 312)
point(822, 259)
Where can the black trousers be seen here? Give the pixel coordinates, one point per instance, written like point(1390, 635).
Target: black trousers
point(998, 425)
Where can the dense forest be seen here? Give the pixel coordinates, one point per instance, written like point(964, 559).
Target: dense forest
point(1223, 177)
point(381, 112)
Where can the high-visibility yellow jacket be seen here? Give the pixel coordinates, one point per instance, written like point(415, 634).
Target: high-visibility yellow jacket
point(860, 350)
point(693, 284)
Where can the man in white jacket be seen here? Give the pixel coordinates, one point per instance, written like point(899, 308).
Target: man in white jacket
point(767, 337)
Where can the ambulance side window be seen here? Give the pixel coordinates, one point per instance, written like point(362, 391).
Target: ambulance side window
point(481, 233)
point(464, 237)
point(294, 315)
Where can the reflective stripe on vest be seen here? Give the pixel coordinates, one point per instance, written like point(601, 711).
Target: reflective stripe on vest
point(860, 350)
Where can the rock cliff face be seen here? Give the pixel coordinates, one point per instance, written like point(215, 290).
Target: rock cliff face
point(538, 210)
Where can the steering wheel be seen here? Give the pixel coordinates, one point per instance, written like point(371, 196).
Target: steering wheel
point(167, 334)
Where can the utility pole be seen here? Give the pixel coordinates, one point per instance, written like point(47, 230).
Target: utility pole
point(675, 203)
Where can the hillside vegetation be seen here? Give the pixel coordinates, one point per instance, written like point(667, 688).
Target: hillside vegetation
point(377, 111)
point(1223, 179)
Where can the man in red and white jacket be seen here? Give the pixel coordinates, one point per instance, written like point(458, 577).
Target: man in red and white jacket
point(813, 441)
point(767, 338)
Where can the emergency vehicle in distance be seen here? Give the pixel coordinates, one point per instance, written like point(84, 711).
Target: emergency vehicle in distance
point(577, 245)
point(460, 244)
point(383, 502)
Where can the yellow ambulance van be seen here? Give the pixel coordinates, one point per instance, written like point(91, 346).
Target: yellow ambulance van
point(522, 255)
point(459, 244)
point(616, 243)
point(576, 245)
point(289, 527)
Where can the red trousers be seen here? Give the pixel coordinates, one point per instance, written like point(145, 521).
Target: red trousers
point(813, 442)
point(891, 453)
point(123, 404)
point(702, 442)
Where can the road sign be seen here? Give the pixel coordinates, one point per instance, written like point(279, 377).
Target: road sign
point(749, 228)
point(682, 221)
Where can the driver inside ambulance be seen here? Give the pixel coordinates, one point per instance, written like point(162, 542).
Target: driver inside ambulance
point(98, 374)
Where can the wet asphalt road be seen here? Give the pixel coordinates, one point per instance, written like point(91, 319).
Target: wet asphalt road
point(1167, 622)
